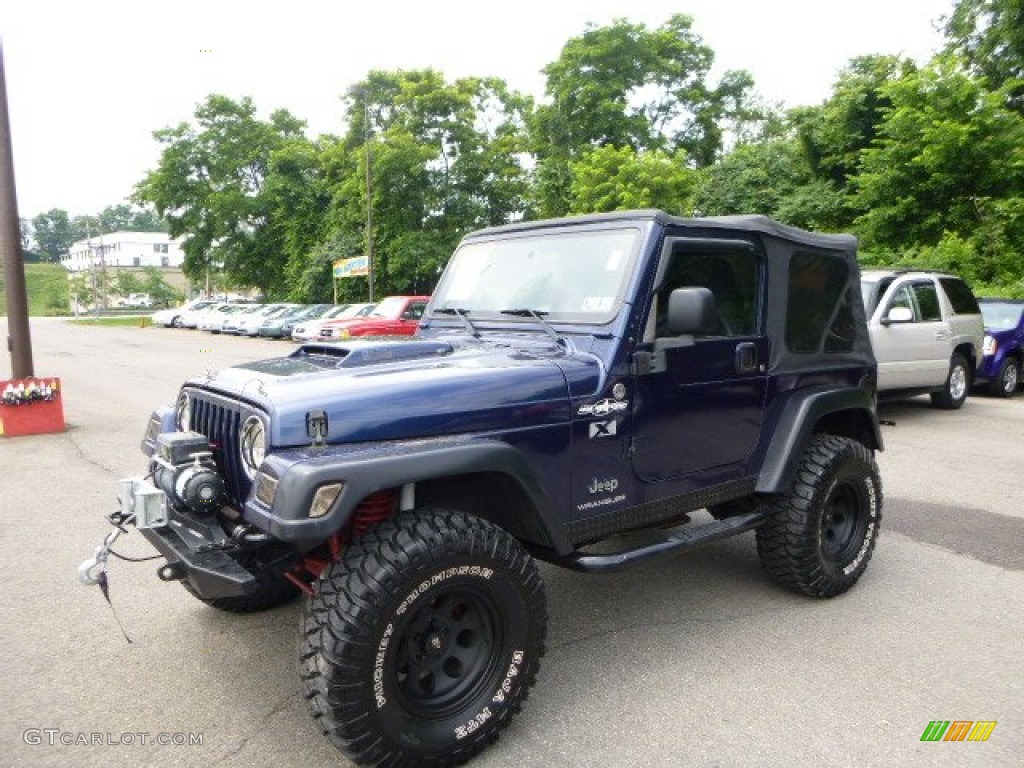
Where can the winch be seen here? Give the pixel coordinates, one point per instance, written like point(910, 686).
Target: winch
point(186, 472)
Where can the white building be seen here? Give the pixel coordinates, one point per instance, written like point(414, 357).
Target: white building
point(124, 249)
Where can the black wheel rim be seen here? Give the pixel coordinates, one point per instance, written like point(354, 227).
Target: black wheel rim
point(843, 524)
point(447, 651)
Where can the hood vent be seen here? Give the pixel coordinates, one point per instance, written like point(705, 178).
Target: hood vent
point(370, 352)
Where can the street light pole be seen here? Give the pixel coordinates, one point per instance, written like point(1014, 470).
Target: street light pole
point(19, 339)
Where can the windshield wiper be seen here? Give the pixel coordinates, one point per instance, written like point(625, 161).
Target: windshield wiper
point(461, 314)
point(537, 315)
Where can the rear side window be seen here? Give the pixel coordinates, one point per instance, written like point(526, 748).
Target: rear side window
point(819, 313)
point(960, 296)
point(927, 302)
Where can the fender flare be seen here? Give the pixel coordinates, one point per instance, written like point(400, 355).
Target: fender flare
point(801, 413)
point(367, 469)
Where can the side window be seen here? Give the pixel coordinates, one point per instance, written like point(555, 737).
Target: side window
point(415, 310)
point(960, 296)
point(902, 298)
point(819, 311)
point(927, 302)
point(732, 277)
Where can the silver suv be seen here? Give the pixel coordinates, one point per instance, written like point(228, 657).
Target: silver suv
point(927, 333)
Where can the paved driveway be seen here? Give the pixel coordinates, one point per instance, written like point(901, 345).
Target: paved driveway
point(694, 660)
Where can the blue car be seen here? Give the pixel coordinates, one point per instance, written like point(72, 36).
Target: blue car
point(1004, 345)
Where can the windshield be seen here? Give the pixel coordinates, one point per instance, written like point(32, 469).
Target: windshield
point(390, 308)
point(570, 277)
point(999, 316)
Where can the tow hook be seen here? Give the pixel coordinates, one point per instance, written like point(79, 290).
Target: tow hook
point(91, 570)
point(171, 572)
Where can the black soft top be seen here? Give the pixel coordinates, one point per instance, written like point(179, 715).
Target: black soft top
point(797, 283)
point(744, 223)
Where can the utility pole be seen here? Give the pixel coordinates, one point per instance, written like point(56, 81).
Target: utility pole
point(92, 269)
point(19, 339)
point(369, 193)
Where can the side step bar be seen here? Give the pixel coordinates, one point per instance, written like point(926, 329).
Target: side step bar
point(680, 541)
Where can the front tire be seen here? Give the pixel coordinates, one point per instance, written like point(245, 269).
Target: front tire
point(823, 529)
point(958, 382)
point(422, 642)
point(1007, 380)
point(274, 593)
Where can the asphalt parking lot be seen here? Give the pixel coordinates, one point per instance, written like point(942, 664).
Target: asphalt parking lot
point(696, 660)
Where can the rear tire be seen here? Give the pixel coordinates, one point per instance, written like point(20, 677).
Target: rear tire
point(822, 531)
point(958, 382)
point(1007, 380)
point(422, 642)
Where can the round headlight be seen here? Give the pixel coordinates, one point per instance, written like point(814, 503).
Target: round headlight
point(253, 444)
point(183, 413)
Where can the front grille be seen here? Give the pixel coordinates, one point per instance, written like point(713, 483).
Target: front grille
point(219, 420)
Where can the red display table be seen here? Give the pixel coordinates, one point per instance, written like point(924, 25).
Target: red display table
point(30, 407)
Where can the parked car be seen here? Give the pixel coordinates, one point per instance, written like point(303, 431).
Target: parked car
point(1004, 345)
point(927, 334)
point(172, 317)
point(309, 330)
point(280, 326)
point(249, 323)
point(212, 318)
point(394, 316)
point(232, 321)
point(136, 301)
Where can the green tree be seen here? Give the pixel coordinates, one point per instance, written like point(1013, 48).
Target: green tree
point(298, 195)
point(128, 218)
point(210, 186)
point(53, 233)
point(625, 85)
point(80, 291)
point(610, 179)
point(833, 134)
point(990, 35)
point(948, 158)
point(753, 178)
point(160, 291)
point(126, 283)
point(441, 158)
point(315, 282)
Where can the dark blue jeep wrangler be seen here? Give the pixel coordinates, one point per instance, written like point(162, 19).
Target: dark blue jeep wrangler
point(571, 381)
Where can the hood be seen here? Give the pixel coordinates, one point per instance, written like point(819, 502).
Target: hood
point(401, 388)
point(1003, 334)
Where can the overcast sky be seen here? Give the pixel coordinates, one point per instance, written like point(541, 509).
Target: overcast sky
point(88, 81)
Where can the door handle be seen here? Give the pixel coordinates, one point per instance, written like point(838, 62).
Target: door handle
point(746, 357)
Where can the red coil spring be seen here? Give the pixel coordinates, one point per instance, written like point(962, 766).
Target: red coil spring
point(374, 509)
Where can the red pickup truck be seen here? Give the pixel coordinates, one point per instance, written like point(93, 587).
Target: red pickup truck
point(394, 316)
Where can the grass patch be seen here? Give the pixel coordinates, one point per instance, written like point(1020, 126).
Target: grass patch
point(47, 288)
point(139, 321)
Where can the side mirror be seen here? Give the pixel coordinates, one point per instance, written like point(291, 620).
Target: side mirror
point(898, 315)
point(691, 311)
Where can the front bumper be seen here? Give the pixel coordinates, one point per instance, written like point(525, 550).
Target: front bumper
point(196, 552)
